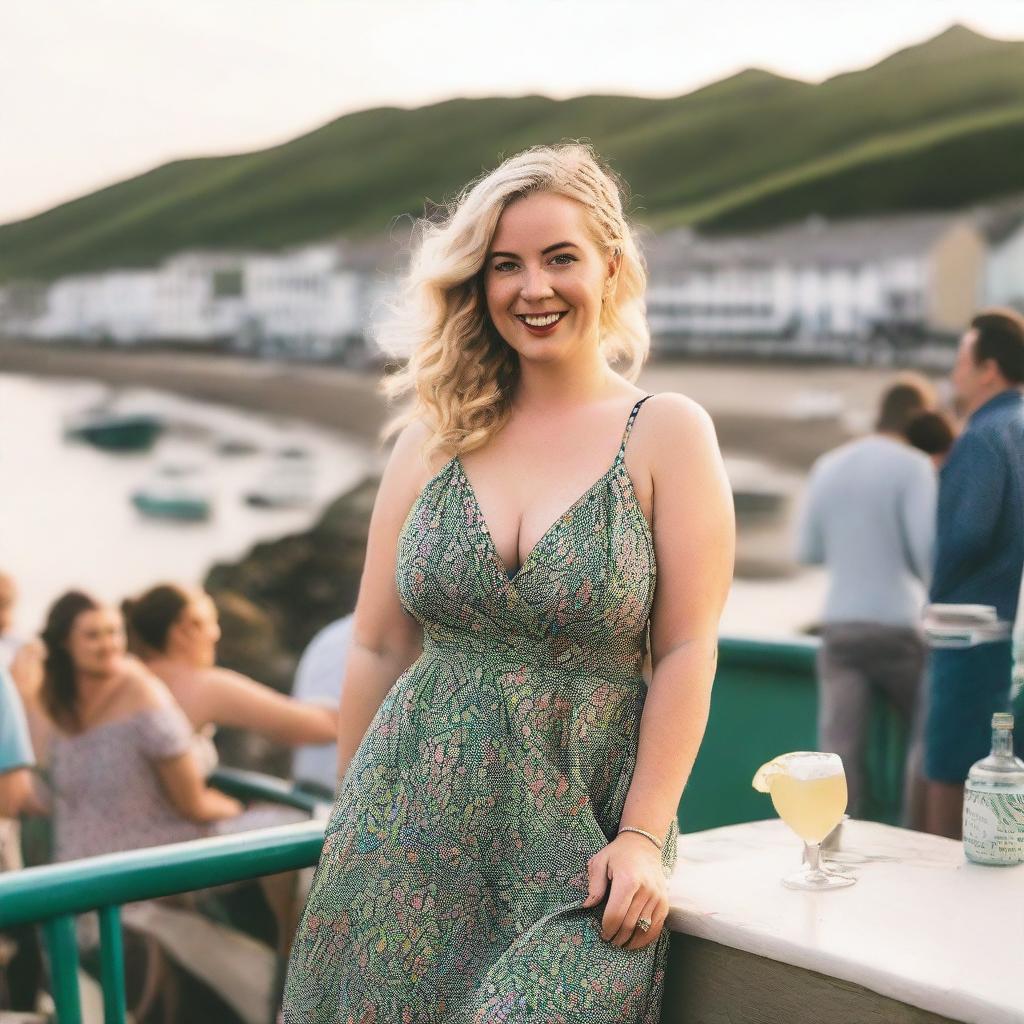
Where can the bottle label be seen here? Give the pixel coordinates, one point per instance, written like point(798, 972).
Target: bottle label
point(993, 827)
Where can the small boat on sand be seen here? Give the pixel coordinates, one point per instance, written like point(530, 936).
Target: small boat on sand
point(114, 431)
point(175, 491)
point(287, 483)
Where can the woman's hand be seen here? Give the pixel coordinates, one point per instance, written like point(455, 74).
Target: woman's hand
point(221, 806)
point(638, 889)
point(27, 669)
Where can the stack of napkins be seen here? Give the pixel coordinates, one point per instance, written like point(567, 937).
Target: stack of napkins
point(963, 625)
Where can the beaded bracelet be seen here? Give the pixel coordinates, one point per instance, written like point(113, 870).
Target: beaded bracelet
point(630, 828)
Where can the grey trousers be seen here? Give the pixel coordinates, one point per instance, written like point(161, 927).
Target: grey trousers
point(855, 661)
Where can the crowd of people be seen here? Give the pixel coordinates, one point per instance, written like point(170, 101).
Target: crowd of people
point(921, 513)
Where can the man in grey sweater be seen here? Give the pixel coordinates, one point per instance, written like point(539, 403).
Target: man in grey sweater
point(868, 515)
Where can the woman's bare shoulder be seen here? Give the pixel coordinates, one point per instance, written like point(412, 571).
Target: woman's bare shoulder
point(677, 426)
point(670, 411)
point(407, 470)
point(141, 689)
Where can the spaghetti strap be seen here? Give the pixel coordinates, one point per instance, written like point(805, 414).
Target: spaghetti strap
point(629, 428)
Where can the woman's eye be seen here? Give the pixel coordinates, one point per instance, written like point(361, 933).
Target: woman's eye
point(560, 256)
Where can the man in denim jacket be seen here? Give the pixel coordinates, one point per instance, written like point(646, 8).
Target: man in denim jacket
point(978, 557)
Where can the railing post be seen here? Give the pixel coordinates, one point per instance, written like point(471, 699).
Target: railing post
point(62, 944)
point(112, 965)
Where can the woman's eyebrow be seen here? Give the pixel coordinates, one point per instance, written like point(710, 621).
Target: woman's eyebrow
point(544, 252)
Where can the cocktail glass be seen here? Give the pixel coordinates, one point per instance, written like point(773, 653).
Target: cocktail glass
point(808, 789)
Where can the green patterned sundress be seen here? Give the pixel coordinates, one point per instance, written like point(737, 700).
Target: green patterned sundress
point(450, 886)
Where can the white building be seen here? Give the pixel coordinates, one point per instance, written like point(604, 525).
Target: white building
point(300, 300)
point(314, 300)
point(818, 280)
point(199, 297)
point(113, 306)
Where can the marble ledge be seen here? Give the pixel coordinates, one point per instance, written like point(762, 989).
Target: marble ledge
point(922, 925)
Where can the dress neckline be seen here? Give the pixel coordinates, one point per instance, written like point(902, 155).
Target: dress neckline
point(618, 463)
point(108, 723)
point(513, 577)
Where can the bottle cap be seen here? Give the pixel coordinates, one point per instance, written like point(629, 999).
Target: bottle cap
point(1002, 720)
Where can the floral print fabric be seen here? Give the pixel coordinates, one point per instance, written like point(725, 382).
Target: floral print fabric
point(455, 860)
point(107, 794)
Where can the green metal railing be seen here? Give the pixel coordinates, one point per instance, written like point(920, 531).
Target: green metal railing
point(763, 703)
point(248, 785)
point(56, 893)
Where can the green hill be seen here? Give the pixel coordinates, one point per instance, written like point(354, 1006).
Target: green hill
point(934, 126)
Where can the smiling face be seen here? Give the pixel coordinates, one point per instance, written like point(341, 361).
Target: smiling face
point(96, 641)
point(543, 266)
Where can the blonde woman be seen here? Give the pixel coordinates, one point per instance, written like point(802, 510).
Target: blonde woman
point(506, 819)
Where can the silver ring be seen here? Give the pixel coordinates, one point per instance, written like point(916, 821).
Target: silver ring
point(643, 924)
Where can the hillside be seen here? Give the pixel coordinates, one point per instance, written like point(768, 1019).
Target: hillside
point(934, 126)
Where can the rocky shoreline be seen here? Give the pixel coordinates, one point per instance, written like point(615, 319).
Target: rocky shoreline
point(274, 599)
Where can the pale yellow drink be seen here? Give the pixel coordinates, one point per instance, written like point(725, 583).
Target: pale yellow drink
point(810, 807)
point(808, 789)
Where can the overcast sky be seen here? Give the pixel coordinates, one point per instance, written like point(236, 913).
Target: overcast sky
point(94, 91)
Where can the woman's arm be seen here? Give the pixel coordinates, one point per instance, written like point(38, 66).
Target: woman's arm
point(16, 792)
point(695, 542)
point(232, 699)
point(165, 739)
point(188, 792)
point(385, 639)
point(27, 669)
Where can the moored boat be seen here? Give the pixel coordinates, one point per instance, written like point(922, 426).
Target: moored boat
point(287, 483)
point(175, 491)
point(115, 431)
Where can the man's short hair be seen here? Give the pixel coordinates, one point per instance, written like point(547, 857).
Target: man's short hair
point(1001, 339)
point(909, 395)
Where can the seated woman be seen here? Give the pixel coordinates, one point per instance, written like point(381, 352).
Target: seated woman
point(119, 750)
point(175, 631)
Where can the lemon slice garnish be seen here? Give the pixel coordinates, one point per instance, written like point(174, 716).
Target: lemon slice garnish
point(763, 776)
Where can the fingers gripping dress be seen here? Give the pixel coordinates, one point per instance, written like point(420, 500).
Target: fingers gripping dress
point(450, 885)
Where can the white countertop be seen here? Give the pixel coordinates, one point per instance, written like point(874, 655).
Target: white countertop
point(922, 925)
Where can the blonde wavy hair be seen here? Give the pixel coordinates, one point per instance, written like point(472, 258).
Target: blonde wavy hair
point(461, 373)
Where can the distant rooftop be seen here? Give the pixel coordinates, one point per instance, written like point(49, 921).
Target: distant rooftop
point(814, 240)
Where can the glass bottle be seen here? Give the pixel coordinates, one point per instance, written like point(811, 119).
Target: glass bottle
point(993, 823)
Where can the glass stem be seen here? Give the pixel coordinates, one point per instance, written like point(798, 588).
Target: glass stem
point(812, 852)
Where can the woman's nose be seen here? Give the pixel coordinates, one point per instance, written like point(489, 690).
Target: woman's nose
point(535, 284)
